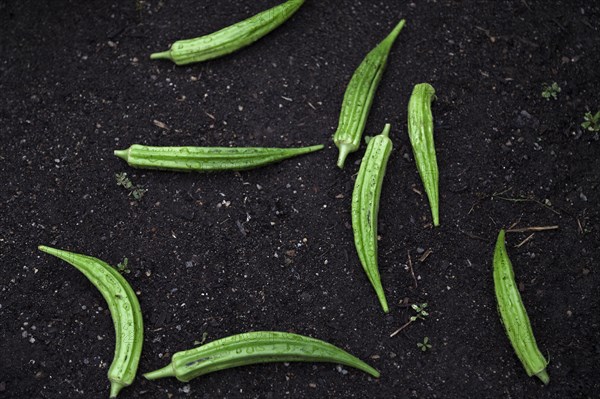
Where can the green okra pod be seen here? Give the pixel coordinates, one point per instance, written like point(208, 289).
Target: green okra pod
point(231, 38)
point(514, 316)
point(206, 159)
point(365, 207)
point(252, 348)
point(420, 132)
point(359, 97)
point(124, 310)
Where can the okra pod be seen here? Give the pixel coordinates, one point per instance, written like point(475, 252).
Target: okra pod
point(420, 132)
point(359, 97)
point(365, 207)
point(252, 348)
point(231, 38)
point(514, 316)
point(124, 310)
point(206, 159)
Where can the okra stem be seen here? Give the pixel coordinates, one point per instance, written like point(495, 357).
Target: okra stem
point(163, 55)
point(164, 372)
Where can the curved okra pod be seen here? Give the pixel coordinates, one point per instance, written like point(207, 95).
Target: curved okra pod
point(359, 97)
point(514, 316)
point(365, 207)
point(207, 159)
point(251, 348)
point(124, 310)
point(420, 132)
point(231, 38)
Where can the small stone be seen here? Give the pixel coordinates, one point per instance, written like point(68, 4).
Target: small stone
point(420, 250)
point(341, 370)
point(525, 119)
point(186, 389)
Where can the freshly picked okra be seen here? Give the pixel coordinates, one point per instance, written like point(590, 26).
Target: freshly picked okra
point(231, 38)
point(365, 207)
point(207, 159)
point(420, 132)
point(359, 96)
point(514, 316)
point(252, 348)
point(124, 310)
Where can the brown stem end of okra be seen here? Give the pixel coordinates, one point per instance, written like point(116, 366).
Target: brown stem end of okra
point(123, 154)
point(166, 371)
point(163, 55)
point(115, 388)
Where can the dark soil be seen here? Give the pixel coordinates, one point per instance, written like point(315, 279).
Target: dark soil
point(272, 249)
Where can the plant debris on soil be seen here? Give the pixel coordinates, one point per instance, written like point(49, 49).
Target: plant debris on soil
point(211, 255)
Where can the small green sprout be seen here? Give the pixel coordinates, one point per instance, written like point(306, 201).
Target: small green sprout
point(122, 266)
point(425, 345)
point(421, 314)
point(137, 192)
point(550, 91)
point(204, 336)
point(591, 122)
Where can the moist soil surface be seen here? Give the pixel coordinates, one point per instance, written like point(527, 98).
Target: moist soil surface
point(211, 255)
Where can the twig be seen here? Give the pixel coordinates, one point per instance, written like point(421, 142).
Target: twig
point(579, 226)
point(473, 236)
point(526, 199)
point(410, 267)
point(525, 240)
point(532, 228)
point(392, 335)
point(425, 255)
point(512, 226)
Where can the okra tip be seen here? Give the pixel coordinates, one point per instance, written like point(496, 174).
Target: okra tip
point(394, 34)
point(48, 250)
point(436, 219)
point(123, 154)
point(166, 371)
point(115, 388)
point(383, 302)
point(370, 370)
